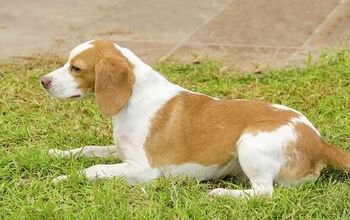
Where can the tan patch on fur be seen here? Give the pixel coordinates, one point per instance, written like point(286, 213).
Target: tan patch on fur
point(105, 71)
point(194, 128)
point(309, 155)
point(304, 157)
point(113, 87)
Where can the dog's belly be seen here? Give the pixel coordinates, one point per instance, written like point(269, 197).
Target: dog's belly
point(202, 172)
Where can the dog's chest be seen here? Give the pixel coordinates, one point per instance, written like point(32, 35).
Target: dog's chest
point(132, 124)
point(130, 133)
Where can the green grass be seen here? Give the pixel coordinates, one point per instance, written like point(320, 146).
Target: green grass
point(31, 122)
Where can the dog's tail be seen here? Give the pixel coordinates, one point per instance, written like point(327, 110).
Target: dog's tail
point(336, 157)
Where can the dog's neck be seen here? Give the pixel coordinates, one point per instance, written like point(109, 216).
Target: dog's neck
point(150, 89)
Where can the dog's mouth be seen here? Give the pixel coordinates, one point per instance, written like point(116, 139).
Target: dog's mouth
point(75, 96)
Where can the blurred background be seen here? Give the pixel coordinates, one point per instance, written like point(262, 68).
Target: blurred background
point(247, 34)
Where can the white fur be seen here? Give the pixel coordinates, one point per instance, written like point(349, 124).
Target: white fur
point(261, 156)
point(201, 172)
point(301, 119)
point(131, 125)
point(63, 85)
point(80, 48)
point(133, 172)
point(88, 151)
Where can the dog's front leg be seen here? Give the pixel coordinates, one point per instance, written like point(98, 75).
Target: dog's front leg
point(132, 172)
point(88, 151)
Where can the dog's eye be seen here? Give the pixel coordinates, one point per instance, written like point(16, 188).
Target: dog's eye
point(75, 69)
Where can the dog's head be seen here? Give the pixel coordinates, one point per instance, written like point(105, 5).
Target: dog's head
point(94, 66)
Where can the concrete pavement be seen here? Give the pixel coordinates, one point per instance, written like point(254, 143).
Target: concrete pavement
point(247, 34)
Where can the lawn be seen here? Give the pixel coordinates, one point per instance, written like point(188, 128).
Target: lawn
point(31, 122)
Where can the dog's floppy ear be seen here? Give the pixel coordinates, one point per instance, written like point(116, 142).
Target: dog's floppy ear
point(113, 86)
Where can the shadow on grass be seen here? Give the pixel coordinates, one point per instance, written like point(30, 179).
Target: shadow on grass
point(327, 175)
point(330, 174)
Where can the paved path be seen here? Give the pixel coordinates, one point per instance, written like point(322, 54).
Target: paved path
point(245, 33)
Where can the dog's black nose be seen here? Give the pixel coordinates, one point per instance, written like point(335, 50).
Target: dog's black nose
point(46, 82)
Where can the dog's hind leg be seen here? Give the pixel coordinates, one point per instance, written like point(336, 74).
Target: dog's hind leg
point(88, 151)
point(261, 156)
point(260, 172)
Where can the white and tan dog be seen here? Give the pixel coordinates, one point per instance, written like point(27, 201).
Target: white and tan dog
point(161, 129)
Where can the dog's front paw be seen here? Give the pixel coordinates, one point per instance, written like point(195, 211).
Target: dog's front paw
point(59, 179)
point(218, 192)
point(56, 153)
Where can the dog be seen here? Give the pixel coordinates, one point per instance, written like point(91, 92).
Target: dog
point(161, 129)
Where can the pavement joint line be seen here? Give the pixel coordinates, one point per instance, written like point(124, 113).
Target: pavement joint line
point(242, 45)
point(319, 28)
point(177, 46)
point(145, 41)
point(213, 44)
point(275, 53)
